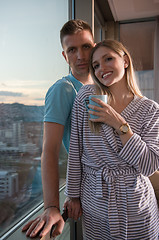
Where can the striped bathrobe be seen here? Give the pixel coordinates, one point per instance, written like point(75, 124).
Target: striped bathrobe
point(111, 180)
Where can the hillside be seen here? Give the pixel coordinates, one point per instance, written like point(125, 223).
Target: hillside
point(16, 112)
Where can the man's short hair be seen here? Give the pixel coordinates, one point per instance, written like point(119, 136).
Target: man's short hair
point(72, 27)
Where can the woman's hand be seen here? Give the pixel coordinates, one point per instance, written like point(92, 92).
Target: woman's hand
point(74, 207)
point(41, 225)
point(106, 114)
point(110, 117)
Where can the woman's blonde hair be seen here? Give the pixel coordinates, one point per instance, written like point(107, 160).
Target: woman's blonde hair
point(132, 85)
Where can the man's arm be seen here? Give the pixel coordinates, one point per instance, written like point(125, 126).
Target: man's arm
point(52, 139)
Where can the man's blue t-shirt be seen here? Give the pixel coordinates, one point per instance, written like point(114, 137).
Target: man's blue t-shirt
point(59, 102)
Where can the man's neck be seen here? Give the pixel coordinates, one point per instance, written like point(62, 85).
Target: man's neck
point(86, 79)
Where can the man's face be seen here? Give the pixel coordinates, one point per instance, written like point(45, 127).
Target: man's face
point(76, 50)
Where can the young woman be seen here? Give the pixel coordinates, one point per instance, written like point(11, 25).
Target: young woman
point(111, 157)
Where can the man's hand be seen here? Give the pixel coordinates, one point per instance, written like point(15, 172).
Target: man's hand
point(74, 207)
point(41, 225)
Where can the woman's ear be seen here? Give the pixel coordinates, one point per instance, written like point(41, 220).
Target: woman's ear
point(126, 61)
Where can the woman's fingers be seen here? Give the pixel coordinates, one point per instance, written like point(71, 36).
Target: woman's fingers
point(74, 208)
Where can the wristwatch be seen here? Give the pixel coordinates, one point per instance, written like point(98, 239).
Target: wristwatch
point(124, 128)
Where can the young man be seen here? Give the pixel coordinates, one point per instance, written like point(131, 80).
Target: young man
point(77, 42)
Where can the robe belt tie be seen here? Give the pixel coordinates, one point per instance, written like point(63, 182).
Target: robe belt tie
point(109, 176)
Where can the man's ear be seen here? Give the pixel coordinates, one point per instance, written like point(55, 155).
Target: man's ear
point(126, 61)
point(64, 55)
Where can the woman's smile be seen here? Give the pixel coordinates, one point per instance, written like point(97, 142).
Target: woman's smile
point(105, 75)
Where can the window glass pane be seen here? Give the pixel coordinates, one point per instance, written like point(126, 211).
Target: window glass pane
point(139, 39)
point(31, 61)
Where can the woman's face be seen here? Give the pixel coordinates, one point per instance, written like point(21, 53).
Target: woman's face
point(108, 66)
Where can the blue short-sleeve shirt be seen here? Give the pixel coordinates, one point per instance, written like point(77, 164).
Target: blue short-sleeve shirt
point(59, 102)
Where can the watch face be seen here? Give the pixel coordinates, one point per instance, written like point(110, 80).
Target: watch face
point(125, 128)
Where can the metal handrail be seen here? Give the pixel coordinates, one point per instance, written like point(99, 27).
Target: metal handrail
point(25, 219)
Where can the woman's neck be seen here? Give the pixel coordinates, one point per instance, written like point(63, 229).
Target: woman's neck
point(121, 97)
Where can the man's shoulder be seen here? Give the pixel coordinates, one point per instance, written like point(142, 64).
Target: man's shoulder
point(62, 84)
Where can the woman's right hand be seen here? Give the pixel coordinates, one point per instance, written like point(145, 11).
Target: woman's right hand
point(41, 225)
point(74, 208)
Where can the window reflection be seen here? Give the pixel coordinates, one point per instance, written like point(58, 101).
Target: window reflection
point(20, 150)
point(31, 60)
point(138, 37)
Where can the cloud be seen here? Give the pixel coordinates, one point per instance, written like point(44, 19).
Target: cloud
point(13, 94)
point(3, 85)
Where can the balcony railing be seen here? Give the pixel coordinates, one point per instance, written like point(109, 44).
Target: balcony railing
point(69, 231)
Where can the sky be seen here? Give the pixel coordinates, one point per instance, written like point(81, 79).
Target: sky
point(30, 50)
